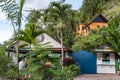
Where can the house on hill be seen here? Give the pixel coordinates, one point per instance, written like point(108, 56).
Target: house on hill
point(97, 22)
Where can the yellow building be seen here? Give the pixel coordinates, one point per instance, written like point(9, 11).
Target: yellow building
point(98, 22)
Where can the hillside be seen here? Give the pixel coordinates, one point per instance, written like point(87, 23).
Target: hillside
point(91, 8)
point(112, 9)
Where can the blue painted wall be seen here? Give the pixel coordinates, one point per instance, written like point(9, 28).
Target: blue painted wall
point(86, 61)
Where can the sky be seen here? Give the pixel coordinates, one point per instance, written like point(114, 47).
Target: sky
point(6, 29)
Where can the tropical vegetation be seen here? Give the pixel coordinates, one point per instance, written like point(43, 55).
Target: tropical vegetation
point(13, 12)
point(29, 35)
point(113, 34)
point(59, 20)
point(91, 8)
point(89, 42)
point(4, 60)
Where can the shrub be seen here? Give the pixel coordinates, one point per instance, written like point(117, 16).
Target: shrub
point(68, 61)
point(4, 61)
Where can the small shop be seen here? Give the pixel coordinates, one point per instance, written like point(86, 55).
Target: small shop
point(107, 61)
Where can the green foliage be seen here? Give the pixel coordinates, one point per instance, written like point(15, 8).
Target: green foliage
point(7, 68)
point(88, 42)
point(12, 72)
point(37, 68)
point(71, 23)
point(113, 34)
point(56, 14)
point(60, 17)
point(60, 10)
point(34, 15)
point(112, 9)
point(29, 35)
point(69, 72)
point(36, 63)
point(4, 61)
point(91, 8)
point(10, 8)
point(13, 11)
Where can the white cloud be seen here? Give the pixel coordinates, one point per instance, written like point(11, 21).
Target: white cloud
point(30, 4)
point(5, 35)
point(2, 16)
point(36, 4)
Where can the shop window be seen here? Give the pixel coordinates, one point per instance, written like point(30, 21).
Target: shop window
point(105, 58)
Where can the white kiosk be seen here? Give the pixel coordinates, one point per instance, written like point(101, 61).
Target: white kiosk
point(105, 59)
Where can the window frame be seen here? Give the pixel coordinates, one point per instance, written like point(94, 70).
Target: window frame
point(106, 58)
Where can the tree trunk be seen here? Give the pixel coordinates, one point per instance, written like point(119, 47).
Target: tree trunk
point(17, 55)
point(62, 52)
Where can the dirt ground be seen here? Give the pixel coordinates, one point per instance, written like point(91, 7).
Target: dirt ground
point(98, 77)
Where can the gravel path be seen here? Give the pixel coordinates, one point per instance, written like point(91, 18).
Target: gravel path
point(98, 77)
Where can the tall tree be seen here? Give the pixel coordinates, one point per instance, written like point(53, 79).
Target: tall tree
point(56, 15)
point(71, 22)
point(34, 15)
point(13, 12)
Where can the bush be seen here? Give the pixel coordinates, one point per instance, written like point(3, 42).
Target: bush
point(68, 61)
point(39, 71)
point(4, 61)
point(69, 72)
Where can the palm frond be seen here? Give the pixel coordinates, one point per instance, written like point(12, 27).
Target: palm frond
point(20, 13)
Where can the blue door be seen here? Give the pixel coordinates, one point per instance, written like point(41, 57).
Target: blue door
point(86, 61)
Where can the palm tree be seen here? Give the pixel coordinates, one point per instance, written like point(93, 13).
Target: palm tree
point(56, 15)
point(29, 35)
point(34, 15)
point(13, 12)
